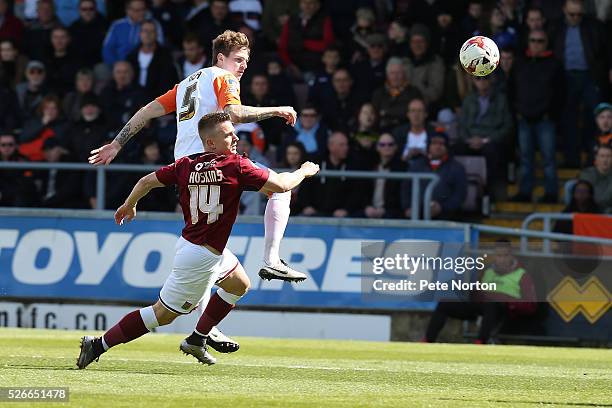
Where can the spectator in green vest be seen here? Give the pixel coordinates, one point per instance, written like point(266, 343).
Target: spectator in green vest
point(514, 296)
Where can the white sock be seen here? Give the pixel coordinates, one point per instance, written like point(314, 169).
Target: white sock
point(104, 345)
point(228, 297)
point(275, 222)
point(148, 317)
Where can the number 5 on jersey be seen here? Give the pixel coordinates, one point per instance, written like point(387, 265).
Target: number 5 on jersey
point(188, 108)
point(205, 199)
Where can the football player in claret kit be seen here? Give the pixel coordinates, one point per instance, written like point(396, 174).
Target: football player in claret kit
point(210, 185)
point(208, 90)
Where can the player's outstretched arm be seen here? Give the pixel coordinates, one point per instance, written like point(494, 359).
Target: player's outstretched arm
point(248, 114)
point(106, 153)
point(127, 211)
point(282, 182)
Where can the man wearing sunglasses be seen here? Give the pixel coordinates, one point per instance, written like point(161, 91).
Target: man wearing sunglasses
point(582, 46)
point(16, 186)
point(538, 94)
point(87, 34)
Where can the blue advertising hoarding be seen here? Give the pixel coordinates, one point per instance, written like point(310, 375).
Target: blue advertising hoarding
point(81, 258)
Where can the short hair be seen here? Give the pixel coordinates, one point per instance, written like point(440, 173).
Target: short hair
point(10, 41)
point(536, 9)
point(395, 61)
point(309, 106)
point(8, 134)
point(209, 121)
point(418, 99)
point(128, 3)
point(503, 243)
point(333, 48)
point(49, 2)
point(192, 37)
point(342, 69)
point(539, 30)
point(602, 146)
point(60, 28)
point(260, 75)
point(227, 42)
point(50, 98)
point(85, 72)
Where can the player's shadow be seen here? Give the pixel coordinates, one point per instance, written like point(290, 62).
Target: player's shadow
point(501, 401)
point(97, 369)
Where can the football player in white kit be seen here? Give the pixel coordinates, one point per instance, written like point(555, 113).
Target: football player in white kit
point(208, 90)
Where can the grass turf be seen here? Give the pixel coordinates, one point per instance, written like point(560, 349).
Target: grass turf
point(152, 372)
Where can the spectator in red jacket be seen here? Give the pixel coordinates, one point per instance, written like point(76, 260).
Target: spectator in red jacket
point(11, 27)
point(304, 38)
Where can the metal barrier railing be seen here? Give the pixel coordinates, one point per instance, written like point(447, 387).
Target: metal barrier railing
point(547, 219)
point(139, 168)
point(525, 234)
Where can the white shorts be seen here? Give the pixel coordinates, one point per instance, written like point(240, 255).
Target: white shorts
point(195, 271)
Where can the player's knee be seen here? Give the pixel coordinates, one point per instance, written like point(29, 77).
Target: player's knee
point(163, 315)
point(239, 287)
point(244, 288)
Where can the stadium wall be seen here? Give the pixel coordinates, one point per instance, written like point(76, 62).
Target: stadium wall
point(56, 264)
point(78, 270)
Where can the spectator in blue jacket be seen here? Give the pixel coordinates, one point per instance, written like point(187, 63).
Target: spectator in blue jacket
point(450, 192)
point(124, 34)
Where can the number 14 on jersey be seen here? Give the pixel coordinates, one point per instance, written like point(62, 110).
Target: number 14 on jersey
point(205, 198)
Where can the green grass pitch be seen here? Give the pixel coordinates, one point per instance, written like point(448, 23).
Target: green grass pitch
point(151, 372)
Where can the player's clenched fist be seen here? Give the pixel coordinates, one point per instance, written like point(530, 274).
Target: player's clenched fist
point(310, 169)
point(287, 113)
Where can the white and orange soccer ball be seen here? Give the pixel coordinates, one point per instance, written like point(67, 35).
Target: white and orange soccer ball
point(479, 56)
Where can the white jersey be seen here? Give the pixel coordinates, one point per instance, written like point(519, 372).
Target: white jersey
point(205, 91)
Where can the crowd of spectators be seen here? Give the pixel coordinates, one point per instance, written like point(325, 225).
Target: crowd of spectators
point(376, 84)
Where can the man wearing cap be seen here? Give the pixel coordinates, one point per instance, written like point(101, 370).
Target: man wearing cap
point(370, 72)
point(450, 192)
point(603, 119)
point(31, 92)
point(425, 68)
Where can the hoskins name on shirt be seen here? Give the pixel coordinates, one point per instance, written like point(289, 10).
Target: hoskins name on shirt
point(205, 177)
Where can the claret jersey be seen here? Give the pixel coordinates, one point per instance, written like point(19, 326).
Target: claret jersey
point(209, 188)
point(205, 91)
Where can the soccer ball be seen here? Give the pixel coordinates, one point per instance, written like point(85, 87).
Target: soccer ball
point(479, 56)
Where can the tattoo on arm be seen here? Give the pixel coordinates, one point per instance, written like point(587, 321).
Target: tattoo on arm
point(129, 130)
point(247, 114)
